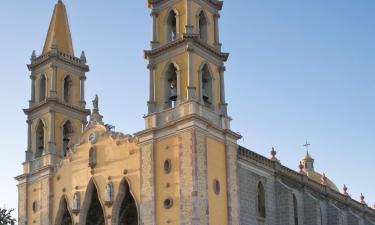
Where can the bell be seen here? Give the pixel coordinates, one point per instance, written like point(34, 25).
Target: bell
point(173, 94)
point(205, 95)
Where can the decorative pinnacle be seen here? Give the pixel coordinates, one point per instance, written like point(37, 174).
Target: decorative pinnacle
point(83, 57)
point(33, 56)
point(362, 198)
point(95, 117)
point(345, 190)
point(324, 180)
point(273, 154)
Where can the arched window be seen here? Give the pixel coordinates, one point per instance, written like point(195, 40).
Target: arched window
point(295, 210)
point(206, 82)
point(39, 141)
point(67, 137)
point(261, 201)
point(67, 88)
point(125, 209)
point(321, 215)
point(42, 88)
point(171, 89)
point(203, 27)
point(172, 26)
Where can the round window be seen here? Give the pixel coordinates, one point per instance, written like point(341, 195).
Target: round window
point(168, 203)
point(167, 166)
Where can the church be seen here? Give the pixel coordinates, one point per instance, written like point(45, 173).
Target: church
point(185, 167)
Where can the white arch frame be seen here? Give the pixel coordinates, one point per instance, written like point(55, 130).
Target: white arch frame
point(163, 87)
point(118, 201)
point(40, 120)
point(61, 210)
point(165, 22)
point(85, 204)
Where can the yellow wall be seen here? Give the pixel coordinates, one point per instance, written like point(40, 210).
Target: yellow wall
point(218, 204)
point(167, 149)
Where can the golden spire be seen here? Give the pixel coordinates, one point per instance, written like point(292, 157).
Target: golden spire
point(59, 32)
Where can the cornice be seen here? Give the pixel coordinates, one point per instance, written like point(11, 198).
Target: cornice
point(290, 174)
point(56, 54)
point(186, 39)
point(214, 3)
point(55, 101)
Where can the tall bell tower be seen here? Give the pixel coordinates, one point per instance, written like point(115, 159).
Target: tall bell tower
point(189, 166)
point(56, 115)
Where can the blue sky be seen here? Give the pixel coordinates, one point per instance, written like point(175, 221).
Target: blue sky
point(298, 70)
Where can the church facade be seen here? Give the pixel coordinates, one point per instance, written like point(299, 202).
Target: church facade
point(185, 167)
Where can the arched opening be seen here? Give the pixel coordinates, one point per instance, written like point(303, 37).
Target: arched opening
point(295, 210)
point(39, 140)
point(261, 201)
point(125, 209)
point(63, 215)
point(95, 213)
point(171, 90)
point(203, 27)
point(67, 135)
point(206, 82)
point(67, 88)
point(172, 26)
point(42, 88)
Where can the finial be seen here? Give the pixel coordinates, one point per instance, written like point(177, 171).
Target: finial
point(362, 198)
point(324, 180)
point(301, 168)
point(59, 2)
point(273, 154)
point(307, 145)
point(33, 56)
point(345, 190)
point(95, 104)
point(83, 57)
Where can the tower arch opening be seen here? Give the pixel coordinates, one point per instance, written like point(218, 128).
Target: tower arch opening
point(206, 85)
point(261, 201)
point(171, 87)
point(203, 26)
point(39, 139)
point(63, 215)
point(172, 25)
point(42, 88)
point(67, 135)
point(67, 88)
point(295, 210)
point(125, 210)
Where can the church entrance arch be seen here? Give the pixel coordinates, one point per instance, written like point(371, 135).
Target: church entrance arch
point(92, 211)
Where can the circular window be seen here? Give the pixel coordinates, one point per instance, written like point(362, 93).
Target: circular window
point(216, 186)
point(168, 203)
point(167, 166)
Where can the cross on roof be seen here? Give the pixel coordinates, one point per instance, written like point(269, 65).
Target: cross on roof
point(307, 145)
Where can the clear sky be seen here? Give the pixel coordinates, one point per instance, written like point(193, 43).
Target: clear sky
point(298, 70)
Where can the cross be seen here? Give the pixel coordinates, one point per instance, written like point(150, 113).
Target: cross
point(307, 145)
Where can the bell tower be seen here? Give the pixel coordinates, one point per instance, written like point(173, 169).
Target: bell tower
point(189, 167)
point(56, 112)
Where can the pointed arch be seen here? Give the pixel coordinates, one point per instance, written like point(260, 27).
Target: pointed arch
point(42, 87)
point(202, 25)
point(261, 201)
point(40, 139)
point(172, 25)
point(206, 83)
point(170, 85)
point(125, 209)
point(295, 210)
point(92, 211)
point(64, 216)
point(67, 89)
point(67, 134)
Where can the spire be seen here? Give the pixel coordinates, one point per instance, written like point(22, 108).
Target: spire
point(58, 35)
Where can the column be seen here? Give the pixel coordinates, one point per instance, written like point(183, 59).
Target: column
point(189, 26)
point(82, 100)
point(151, 100)
point(191, 88)
point(32, 101)
point(53, 81)
point(51, 142)
point(155, 30)
point(216, 28)
point(223, 104)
